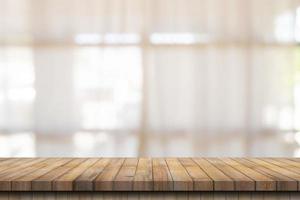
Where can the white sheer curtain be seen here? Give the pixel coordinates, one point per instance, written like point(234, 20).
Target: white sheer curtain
point(153, 65)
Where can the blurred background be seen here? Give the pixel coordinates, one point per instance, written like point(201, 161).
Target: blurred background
point(149, 78)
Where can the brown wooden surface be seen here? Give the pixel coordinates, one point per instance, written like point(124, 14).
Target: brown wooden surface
point(149, 174)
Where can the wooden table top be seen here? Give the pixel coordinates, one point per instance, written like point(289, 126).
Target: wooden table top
point(149, 174)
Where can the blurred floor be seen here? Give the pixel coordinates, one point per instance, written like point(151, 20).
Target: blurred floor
point(88, 144)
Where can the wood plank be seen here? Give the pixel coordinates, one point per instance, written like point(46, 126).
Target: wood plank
point(289, 162)
point(181, 179)
point(65, 182)
point(124, 179)
point(274, 167)
point(283, 183)
point(294, 159)
point(161, 175)
point(13, 162)
point(221, 181)
point(241, 181)
point(201, 181)
point(85, 181)
point(8, 175)
point(104, 182)
point(282, 164)
point(44, 183)
point(262, 182)
point(143, 179)
point(19, 165)
point(23, 183)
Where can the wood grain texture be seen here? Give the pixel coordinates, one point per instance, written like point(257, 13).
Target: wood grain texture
point(181, 179)
point(143, 179)
point(85, 181)
point(23, 183)
point(22, 169)
point(202, 182)
point(44, 183)
point(262, 182)
point(150, 174)
point(104, 182)
point(161, 175)
point(283, 183)
point(221, 181)
point(65, 181)
point(241, 181)
point(124, 179)
point(279, 169)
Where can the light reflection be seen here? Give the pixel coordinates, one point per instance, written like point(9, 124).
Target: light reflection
point(284, 24)
point(103, 114)
point(21, 95)
point(17, 145)
point(270, 115)
point(289, 137)
point(286, 118)
point(87, 141)
point(17, 92)
point(107, 102)
point(297, 25)
point(297, 137)
point(297, 153)
point(297, 106)
point(109, 38)
point(88, 38)
point(121, 38)
point(84, 140)
point(178, 38)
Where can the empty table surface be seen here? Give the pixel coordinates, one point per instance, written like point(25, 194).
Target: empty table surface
point(149, 174)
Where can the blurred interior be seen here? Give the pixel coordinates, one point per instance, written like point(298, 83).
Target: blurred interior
point(149, 78)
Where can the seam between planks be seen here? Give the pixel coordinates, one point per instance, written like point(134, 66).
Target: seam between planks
point(255, 181)
point(53, 180)
point(297, 172)
point(297, 181)
point(170, 173)
point(227, 174)
point(74, 181)
point(213, 185)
